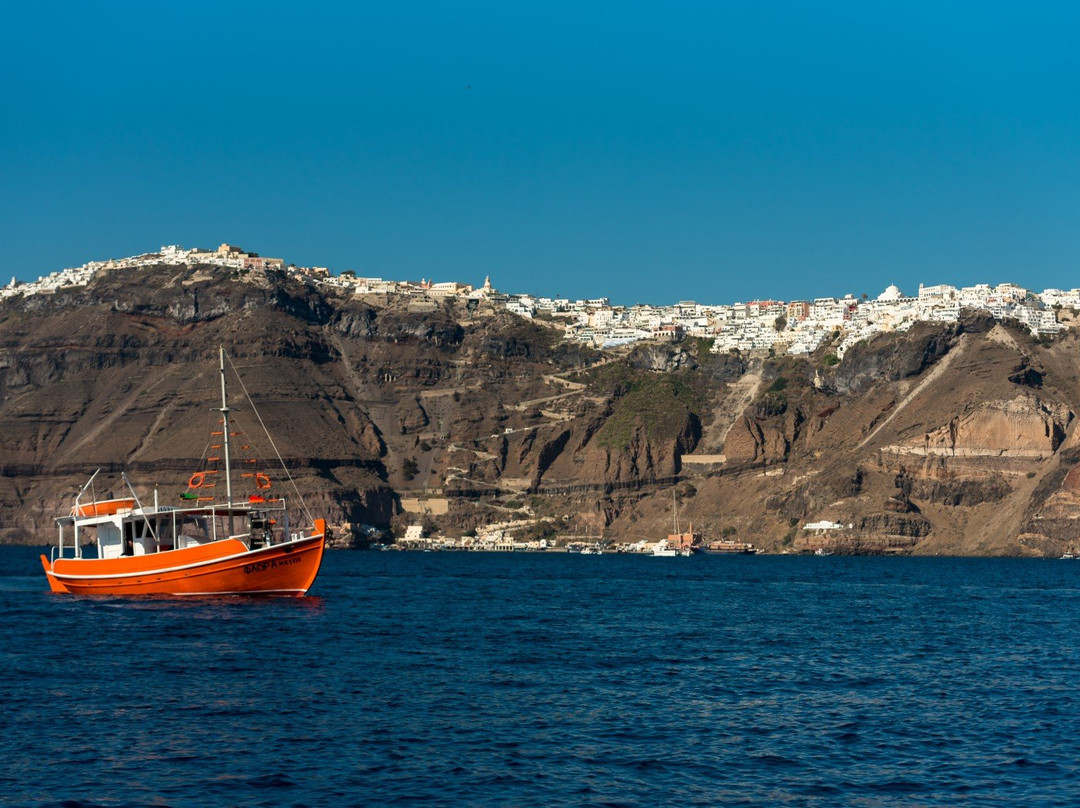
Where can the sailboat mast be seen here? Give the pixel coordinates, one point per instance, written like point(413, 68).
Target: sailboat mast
point(225, 428)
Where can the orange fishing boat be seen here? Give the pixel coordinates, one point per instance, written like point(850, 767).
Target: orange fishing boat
point(235, 547)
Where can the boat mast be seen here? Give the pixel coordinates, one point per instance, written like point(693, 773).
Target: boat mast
point(225, 430)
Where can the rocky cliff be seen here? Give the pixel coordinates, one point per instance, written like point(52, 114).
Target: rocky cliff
point(947, 439)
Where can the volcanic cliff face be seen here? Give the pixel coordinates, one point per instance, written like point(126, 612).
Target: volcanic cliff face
point(954, 450)
point(947, 439)
point(369, 401)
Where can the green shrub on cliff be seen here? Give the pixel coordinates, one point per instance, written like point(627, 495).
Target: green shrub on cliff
point(662, 404)
point(613, 379)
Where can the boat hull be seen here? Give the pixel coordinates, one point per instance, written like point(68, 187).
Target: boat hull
point(726, 551)
point(225, 567)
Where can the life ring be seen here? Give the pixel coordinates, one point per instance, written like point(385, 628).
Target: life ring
point(196, 480)
point(262, 482)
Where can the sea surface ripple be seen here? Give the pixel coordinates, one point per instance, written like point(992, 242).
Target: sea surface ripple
point(553, 679)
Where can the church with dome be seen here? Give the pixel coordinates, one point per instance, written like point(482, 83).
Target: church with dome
point(891, 294)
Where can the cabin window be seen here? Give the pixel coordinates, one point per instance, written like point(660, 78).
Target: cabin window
point(194, 530)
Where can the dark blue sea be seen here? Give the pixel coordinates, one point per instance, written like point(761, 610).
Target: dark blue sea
point(539, 680)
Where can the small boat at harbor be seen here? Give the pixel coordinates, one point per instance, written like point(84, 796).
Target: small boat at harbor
point(724, 546)
point(238, 545)
point(678, 543)
point(728, 547)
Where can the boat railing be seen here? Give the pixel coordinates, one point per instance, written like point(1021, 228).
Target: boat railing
point(57, 551)
point(263, 523)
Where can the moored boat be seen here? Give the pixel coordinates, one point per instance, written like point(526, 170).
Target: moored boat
point(678, 542)
point(239, 546)
point(728, 547)
point(663, 550)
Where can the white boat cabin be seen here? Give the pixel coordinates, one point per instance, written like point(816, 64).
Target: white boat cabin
point(143, 531)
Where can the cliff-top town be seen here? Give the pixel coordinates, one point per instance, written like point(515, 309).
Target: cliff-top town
point(795, 327)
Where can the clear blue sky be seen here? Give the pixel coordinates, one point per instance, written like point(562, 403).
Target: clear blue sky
point(713, 151)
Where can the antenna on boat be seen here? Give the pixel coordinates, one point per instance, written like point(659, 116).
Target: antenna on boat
point(225, 429)
point(88, 484)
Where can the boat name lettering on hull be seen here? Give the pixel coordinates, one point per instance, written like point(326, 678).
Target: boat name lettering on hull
point(263, 566)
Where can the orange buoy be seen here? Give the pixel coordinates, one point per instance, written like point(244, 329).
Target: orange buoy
point(262, 482)
point(196, 480)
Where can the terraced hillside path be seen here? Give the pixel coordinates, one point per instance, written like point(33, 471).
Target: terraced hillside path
point(574, 388)
point(934, 373)
point(727, 413)
point(122, 409)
